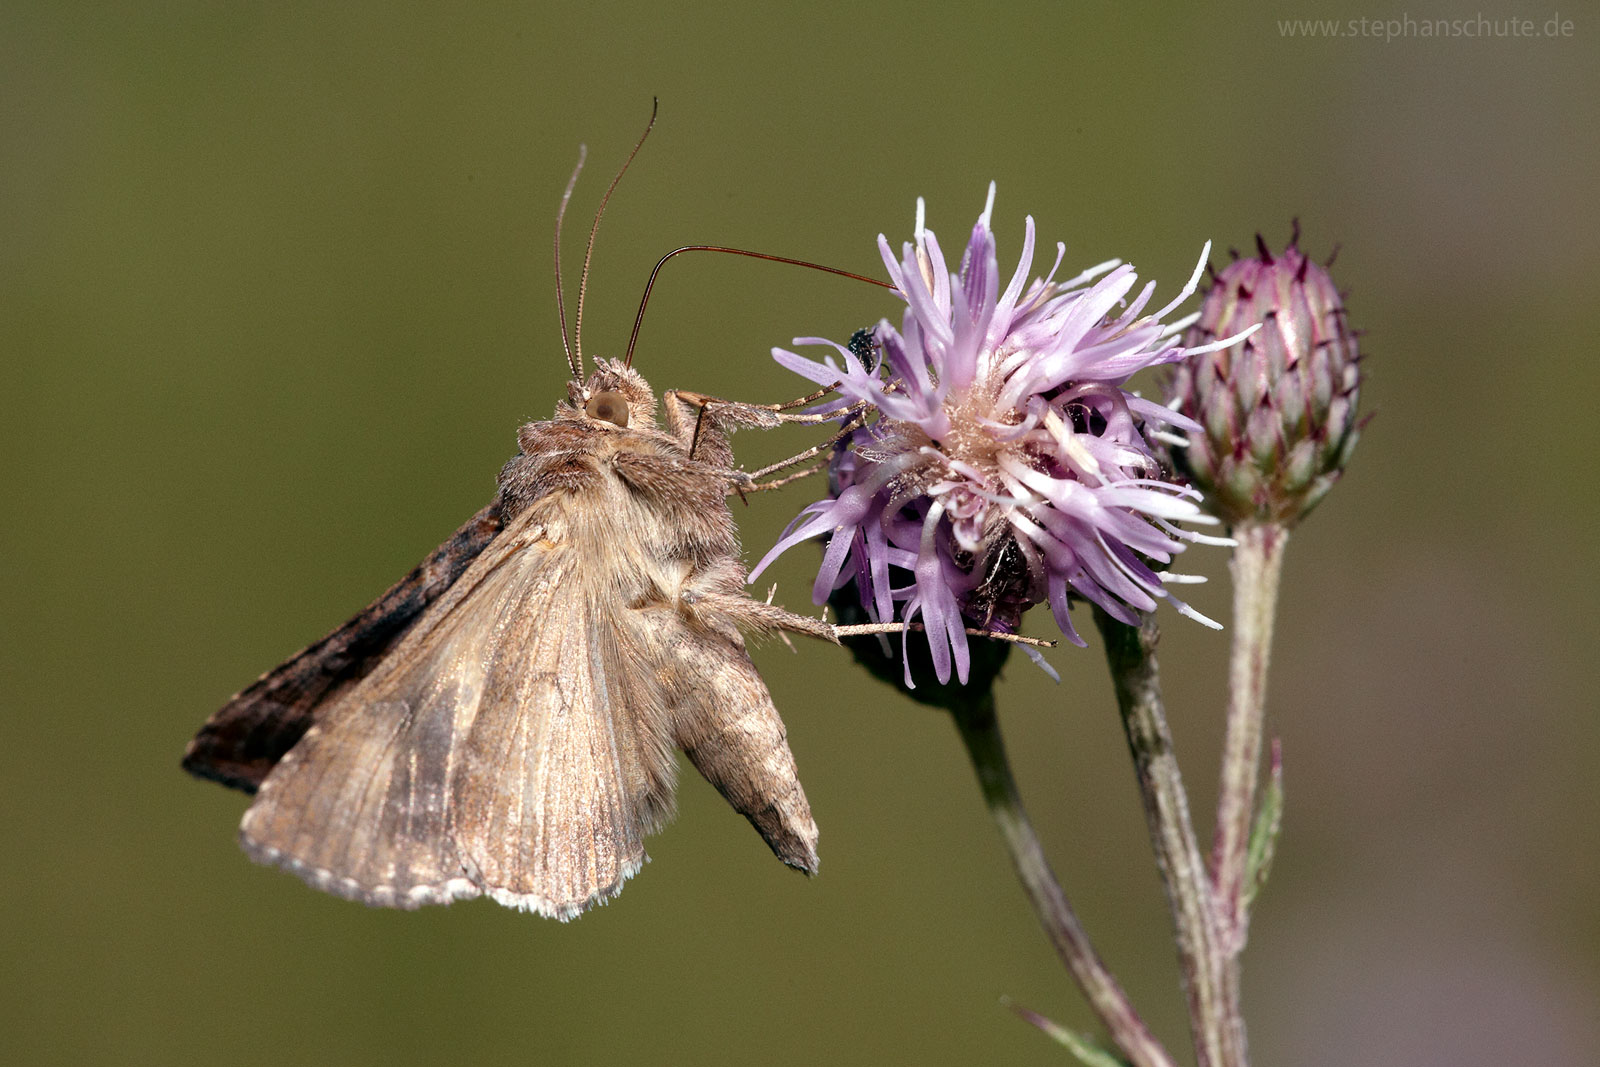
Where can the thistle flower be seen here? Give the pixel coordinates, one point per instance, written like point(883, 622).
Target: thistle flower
point(998, 461)
point(1278, 409)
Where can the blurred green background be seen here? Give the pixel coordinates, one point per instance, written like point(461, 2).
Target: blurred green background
point(275, 293)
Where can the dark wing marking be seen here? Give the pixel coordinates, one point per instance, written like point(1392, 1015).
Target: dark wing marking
point(493, 751)
point(242, 742)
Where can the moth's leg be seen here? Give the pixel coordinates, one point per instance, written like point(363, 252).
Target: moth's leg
point(690, 414)
point(764, 618)
point(758, 616)
point(809, 398)
point(733, 414)
point(779, 483)
point(702, 423)
point(686, 409)
point(737, 413)
point(846, 430)
point(704, 434)
point(868, 628)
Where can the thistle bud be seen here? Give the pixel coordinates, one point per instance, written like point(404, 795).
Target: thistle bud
point(1278, 409)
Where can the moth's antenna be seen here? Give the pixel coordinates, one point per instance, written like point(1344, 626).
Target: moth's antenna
point(561, 304)
point(583, 279)
point(638, 319)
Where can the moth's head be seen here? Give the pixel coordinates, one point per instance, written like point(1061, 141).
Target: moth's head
point(614, 395)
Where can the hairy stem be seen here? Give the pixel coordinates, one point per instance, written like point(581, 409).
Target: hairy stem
point(1214, 1019)
point(980, 731)
point(1257, 563)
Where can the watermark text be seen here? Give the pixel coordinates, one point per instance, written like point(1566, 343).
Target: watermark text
point(1406, 26)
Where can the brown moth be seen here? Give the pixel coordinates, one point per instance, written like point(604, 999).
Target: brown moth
point(502, 721)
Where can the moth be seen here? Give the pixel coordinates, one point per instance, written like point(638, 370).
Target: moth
point(502, 721)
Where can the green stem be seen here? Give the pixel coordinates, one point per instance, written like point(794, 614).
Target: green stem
point(1257, 564)
point(980, 731)
point(1214, 1020)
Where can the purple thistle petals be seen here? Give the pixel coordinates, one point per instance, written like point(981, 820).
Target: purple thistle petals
point(958, 466)
point(912, 372)
point(1152, 412)
point(1042, 663)
point(1152, 498)
point(1125, 596)
point(934, 271)
point(961, 361)
point(1005, 310)
point(980, 279)
point(1136, 568)
point(825, 372)
point(1088, 312)
point(935, 602)
point(1074, 522)
point(972, 327)
point(1087, 275)
point(843, 512)
point(1141, 536)
point(1044, 356)
point(901, 365)
point(841, 545)
point(801, 529)
point(1118, 511)
point(855, 383)
point(1064, 546)
point(966, 507)
point(1062, 359)
point(1048, 284)
point(1190, 286)
point(1006, 433)
point(881, 602)
point(1059, 608)
point(1130, 314)
point(914, 287)
point(1002, 462)
point(810, 369)
point(1111, 404)
point(979, 283)
point(856, 380)
point(922, 401)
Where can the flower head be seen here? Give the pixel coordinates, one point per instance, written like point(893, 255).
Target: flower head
point(1278, 408)
point(996, 461)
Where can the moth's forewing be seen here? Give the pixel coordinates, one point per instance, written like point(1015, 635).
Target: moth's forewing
point(243, 740)
point(569, 766)
point(482, 755)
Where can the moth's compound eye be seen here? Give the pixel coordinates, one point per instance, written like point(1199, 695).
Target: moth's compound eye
point(609, 406)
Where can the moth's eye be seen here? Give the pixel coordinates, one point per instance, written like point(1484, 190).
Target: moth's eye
point(608, 405)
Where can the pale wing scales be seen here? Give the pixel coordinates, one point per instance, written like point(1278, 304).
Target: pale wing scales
point(483, 756)
point(562, 826)
point(361, 806)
